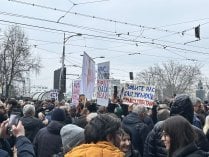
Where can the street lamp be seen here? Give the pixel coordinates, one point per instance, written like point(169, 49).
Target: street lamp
point(61, 84)
point(96, 57)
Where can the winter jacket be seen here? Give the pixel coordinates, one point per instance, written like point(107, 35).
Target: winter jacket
point(32, 125)
point(154, 147)
point(190, 150)
point(138, 130)
point(100, 149)
point(48, 140)
point(24, 148)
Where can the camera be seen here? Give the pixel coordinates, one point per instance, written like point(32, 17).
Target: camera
point(13, 120)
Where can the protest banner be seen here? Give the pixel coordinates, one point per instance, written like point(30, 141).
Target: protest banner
point(103, 71)
point(88, 77)
point(138, 94)
point(75, 91)
point(102, 92)
point(54, 94)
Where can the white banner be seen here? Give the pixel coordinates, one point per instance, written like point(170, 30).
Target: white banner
point(103, 71)
point(88, 77)
point(102, 92)
point(138, 94)
point(75, 91)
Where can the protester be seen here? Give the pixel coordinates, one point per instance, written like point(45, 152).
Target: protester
point(183, 106)
point(48, 140)
point(23, 145)
point(126, 145)
point(134, 122)
point(31, 124)
point(102, 136)
point(180, 142)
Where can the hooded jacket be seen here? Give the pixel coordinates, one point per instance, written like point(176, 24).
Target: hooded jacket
point(182, 105)
point(138, 129)
point(100, 149)
point(48, 140)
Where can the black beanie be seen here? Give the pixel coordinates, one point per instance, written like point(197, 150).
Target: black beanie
point(182, 105)
point(58, 115)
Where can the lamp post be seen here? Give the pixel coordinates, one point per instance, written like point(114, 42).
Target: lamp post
point(62, 77)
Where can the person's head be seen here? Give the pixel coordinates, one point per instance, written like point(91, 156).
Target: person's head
point(140, 110)
point(103, 127)
point(125, 143)
point(182, 105)
point(163, 114)
point(29, 110)
point(72, 136)
point(197, 104)
point(58, 115)
point(177, 133)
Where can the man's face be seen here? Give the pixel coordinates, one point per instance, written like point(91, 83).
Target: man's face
point(198, 107)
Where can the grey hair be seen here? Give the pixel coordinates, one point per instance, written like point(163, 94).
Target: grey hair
point(29, 110)
point(139, 109)
point(196, 100)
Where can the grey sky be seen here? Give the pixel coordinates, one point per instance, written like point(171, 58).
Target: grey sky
point(161, 15)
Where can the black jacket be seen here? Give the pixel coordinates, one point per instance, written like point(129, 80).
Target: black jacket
point(138, 130)
point(154, 147)
point(190, 150)
point(32, 125)
point(48, 140)
point(24, 148)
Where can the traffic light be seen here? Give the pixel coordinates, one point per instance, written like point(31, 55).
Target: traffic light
point(197, 32)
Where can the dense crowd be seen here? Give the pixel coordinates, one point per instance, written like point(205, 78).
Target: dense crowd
point(177, 128)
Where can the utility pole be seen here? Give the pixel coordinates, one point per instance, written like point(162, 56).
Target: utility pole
point(62, 81)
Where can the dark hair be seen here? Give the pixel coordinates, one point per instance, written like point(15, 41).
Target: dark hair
point(101, 126)
point(180, 131)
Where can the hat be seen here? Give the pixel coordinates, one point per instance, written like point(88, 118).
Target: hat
point(58, 115)
point(183, 106)
point(72, 136)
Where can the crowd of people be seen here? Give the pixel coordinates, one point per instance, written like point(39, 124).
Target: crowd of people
point(179, 128)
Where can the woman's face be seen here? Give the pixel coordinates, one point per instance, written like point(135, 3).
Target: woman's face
point(125, 143)
point(166, 140)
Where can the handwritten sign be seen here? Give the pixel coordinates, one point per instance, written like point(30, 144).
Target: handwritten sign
point(75, 92)
point(103, 71)
point(139, 94)
point(102, 92)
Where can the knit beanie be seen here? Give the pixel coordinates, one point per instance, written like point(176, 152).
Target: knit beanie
point(72, 135)
point(58, 115)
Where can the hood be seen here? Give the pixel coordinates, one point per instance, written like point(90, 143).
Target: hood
point(132, 118)
point(182, 105)
point(54, 127)
point(30, 123)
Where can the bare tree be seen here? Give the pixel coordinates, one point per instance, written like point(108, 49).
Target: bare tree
point(16, 58)
point(170, 78)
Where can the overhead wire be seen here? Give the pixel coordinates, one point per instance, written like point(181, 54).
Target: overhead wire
point(95, 17)
point(92, 29)
point(110, 38)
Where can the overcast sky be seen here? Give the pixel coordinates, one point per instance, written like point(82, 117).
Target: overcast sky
point(160, 30)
